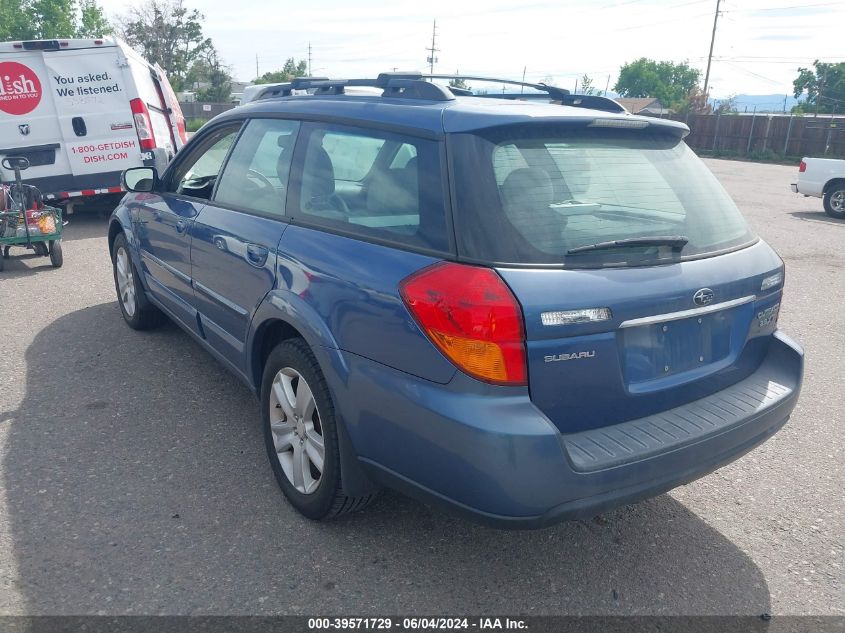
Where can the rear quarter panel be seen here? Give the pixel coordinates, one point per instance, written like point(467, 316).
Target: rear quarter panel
point(819, 172)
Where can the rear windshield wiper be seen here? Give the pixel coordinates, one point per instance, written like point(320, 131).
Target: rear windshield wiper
point(677, 242)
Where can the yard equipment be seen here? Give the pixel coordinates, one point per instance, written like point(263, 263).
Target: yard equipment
point(24, 219)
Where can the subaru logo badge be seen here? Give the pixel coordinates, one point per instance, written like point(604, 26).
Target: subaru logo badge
point(703, 297)
point(24, 128)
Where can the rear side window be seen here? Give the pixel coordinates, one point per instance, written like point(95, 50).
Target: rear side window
point(374, 184)
point(256, 174)
point(548, 194)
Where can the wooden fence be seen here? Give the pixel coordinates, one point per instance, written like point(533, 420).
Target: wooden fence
point(766, 134)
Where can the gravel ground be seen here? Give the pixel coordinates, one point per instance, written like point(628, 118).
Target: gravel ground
point(133, 478)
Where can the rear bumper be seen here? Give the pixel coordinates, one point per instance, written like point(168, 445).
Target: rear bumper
point(497, 459)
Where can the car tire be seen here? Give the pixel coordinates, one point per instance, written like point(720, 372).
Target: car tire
point(137, 310)
point(300, 429)
point(834, 201)
point(55, 252)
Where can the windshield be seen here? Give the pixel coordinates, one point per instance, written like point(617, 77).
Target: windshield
point(552, 194)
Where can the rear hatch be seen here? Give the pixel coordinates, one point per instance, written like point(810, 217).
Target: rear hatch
point(642, 287)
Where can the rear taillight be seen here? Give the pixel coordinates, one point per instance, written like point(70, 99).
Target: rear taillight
point(143, 124)
point(471, 315)
point(802, 167)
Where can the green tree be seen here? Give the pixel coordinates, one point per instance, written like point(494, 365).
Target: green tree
point(824, 85)
point(216, 77)
point(51, 19)
point(667, 81)
point(92, 22)
point(459, 83)
point(16, 23)
point(587, 87)
point(290, 70)
point(54, 18)
point(167, 33)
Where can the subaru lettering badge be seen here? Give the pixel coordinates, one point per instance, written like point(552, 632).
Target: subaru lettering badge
point(24, 128)
point(703, 297)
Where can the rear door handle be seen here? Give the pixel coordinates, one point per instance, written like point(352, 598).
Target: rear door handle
point(256, 255)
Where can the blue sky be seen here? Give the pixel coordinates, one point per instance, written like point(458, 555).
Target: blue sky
point(759, 43)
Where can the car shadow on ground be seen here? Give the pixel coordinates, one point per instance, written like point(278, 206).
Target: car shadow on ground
point(136, 482)
point(819, 216)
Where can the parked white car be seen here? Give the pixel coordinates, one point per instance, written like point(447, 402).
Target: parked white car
point(823, 178)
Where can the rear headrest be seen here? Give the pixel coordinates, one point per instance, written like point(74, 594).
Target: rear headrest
point(317, 175)
point(395, 191)
point(527, 189)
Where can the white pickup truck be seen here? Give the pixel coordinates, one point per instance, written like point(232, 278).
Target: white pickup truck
point(823, 178)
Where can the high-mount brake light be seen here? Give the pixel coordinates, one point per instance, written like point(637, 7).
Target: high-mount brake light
point(625, 124)
point(143, 124)
point(472, 316)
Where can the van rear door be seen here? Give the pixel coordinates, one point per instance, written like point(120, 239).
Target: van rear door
point(90, 93)
point(153, 104)
point(28, 124)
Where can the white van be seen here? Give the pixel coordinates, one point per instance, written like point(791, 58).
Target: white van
point(82, 111)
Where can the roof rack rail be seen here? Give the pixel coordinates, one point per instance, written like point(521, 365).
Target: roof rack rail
point(592, 102)
point(415, 85)
point(396, 85)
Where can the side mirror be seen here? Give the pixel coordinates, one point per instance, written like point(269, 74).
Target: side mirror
point(140, 179)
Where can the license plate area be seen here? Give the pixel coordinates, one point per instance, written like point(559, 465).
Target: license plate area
point(673, 347)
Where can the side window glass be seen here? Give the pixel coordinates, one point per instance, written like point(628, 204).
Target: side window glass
point(196, 176)
point(352, 155)
point(387, 186)
point(256, 174)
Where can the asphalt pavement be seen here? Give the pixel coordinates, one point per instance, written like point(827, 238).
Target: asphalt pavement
point(133, 477)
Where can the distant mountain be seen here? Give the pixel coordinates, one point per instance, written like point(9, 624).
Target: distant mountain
point(764, 103)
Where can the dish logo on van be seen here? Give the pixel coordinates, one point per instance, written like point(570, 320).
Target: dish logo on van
point(20, 89)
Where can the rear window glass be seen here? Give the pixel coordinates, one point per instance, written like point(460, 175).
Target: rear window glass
point(535, 194)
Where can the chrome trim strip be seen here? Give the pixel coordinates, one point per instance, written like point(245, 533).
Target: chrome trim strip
point(220, 298)
point(684, 314)
point(177, 273)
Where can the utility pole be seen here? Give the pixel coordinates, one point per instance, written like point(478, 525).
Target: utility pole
point(710, 55)
point(606, 86)
point(522, 88)
point(309, 59)
point(256, 66)
point(431, 58)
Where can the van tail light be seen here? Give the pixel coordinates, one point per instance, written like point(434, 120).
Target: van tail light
point(470, 315)
point(180, 127)
point(143, 124)
point(802, 167)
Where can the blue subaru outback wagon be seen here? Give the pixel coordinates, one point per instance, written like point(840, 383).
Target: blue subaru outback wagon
point(525, 311)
